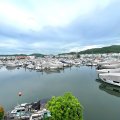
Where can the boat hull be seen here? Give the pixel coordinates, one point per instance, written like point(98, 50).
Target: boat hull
point(114, 80)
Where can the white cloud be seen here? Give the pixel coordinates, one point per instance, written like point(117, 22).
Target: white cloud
point(46, 45)
point(74, 49)
point(46, 13)
point(39, 45)
point(10, 43)
point(16, 16)
point(81, 48)
point(91, 46)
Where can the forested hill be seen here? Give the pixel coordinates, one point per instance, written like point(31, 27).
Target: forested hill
point(34, 54)
point(109, 49)
point(37, 55)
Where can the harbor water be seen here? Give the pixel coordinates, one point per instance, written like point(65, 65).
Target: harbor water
point(100, 101)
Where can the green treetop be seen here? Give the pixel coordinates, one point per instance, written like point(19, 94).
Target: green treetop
point(66, 107)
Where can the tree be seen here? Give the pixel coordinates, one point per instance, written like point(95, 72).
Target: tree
point(66, 107)
point(1, 112)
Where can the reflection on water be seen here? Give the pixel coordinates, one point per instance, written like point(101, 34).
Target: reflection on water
point(30, 70)
point(52, 71)
point(10, 68)
point(110, 89)
point(39, 85)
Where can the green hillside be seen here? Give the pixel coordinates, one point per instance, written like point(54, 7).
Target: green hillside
point(108, 49)
point(37, 55)
point(34, 54)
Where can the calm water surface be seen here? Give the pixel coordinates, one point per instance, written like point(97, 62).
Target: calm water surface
point(101, 101)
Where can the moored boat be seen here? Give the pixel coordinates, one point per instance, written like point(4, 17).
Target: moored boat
point(117, 70)
point(111, 78)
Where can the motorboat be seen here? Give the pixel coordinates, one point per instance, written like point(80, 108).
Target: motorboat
point(111, 78)
point(111, 66)
point(39, 115)
point(108, 62)
point(36, 116)
point(21, 111)
point(18, 112)
point(117, 70)
point(11, 64)
point(17, 109)
point(30, 66)
point(108, 65)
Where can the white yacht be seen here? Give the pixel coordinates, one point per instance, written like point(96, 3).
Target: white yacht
point(11, 64)
point(38, 67)
point(111, 66)
point(40, 115)
point(17, 109)
point(117, 70)
point(30, 66)
point(111, 78)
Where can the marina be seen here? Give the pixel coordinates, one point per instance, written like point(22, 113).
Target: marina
point(81, 79)
point(59, 60)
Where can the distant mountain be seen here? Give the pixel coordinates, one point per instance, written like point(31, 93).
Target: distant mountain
point(37, 55)
point(71, 53)
point(34, 54)
point(108, 49)
point(14, 55)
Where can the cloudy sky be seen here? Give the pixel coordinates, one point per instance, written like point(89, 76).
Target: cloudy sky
point(56, 26)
